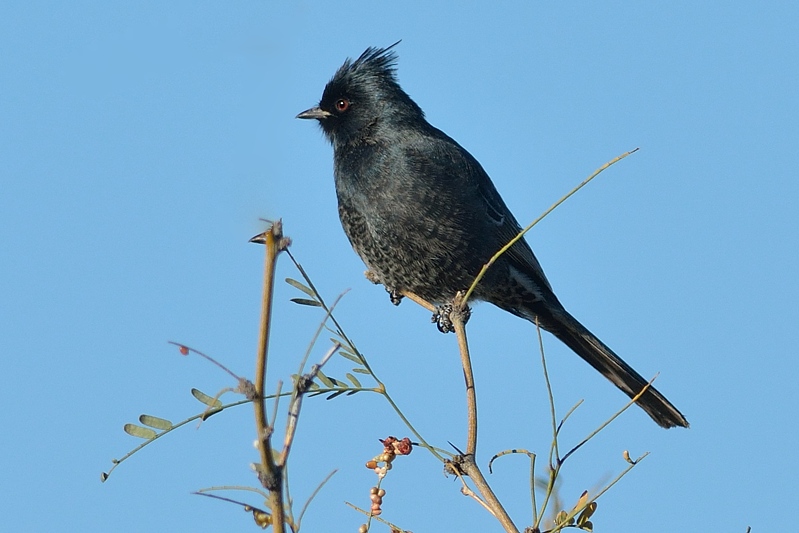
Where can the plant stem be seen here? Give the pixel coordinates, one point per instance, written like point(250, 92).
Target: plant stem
point(269, 473)
point(468, 376)
point(539, 219)
point(468, 464)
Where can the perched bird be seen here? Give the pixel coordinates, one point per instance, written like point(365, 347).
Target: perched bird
point(425, 217)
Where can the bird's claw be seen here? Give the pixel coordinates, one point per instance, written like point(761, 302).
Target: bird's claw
point(443, 317)
point(395, 296)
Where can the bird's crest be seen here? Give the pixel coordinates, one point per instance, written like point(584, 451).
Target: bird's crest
point(381, 62)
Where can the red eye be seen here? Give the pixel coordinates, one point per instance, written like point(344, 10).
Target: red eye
point(342, 104)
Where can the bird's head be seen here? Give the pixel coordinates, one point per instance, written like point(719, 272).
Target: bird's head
point(362, 94)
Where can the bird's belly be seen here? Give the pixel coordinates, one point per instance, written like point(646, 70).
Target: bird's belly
point(419, 258)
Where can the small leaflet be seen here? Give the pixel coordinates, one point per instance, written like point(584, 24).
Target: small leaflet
point(140, 432)
point(155, 422)
point(204, 398)
point(297, 285)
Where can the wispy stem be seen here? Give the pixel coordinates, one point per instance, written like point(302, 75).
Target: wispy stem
point(539, 219)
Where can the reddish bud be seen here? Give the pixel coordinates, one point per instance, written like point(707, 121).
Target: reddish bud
point(403, 447)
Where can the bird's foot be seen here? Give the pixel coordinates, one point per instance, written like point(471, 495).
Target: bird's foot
point(442, 317)
point(395, 296)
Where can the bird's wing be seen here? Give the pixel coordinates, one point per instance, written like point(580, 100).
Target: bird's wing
point(507, 227)
point(452, 167)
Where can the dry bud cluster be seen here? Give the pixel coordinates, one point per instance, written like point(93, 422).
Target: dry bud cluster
point(392, 447)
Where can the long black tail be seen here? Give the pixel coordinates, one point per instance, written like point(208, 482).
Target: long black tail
point(585, 344)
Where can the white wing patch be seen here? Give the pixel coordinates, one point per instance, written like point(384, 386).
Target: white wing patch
point(526, 282)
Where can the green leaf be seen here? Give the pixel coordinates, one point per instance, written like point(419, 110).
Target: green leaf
point(328, 382)
point(337, 393)
point(345, 345)
point(204, 398)
point(362, 371)
point(351, 356)
point(562, 519)
point(138, 431)
point(297, 285)
point(586, 514)
point(354, 380)
point(583, 499)
point(305, 301)
point(350, 393)
point(155, 422)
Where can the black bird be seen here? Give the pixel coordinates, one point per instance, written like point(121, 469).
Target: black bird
point(425, 217)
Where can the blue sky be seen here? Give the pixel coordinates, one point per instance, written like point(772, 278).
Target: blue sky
point(140, 144)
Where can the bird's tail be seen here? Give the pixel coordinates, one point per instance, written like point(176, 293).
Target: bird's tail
point(585, 344)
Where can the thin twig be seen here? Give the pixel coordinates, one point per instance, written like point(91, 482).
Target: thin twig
point(469, 465)
point(539, 219)
point(318, 332)
point(468, 376)
point(206, 357)
point(300, 388)
point(277, 404)
point(554, 459)
point(234, 487)
point(312, 496)
point(201, 416)
point(532, 487)
point(466, 490)
point(470, 468)
point(247, 507)
point(381, 388)
point(422, 442)
point(420, 301)
point(370, 517)
point(553, 418)
point(621, 475)
point(609, 420)
point(568, 414)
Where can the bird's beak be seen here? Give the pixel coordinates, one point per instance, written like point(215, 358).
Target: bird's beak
point(315, 112)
